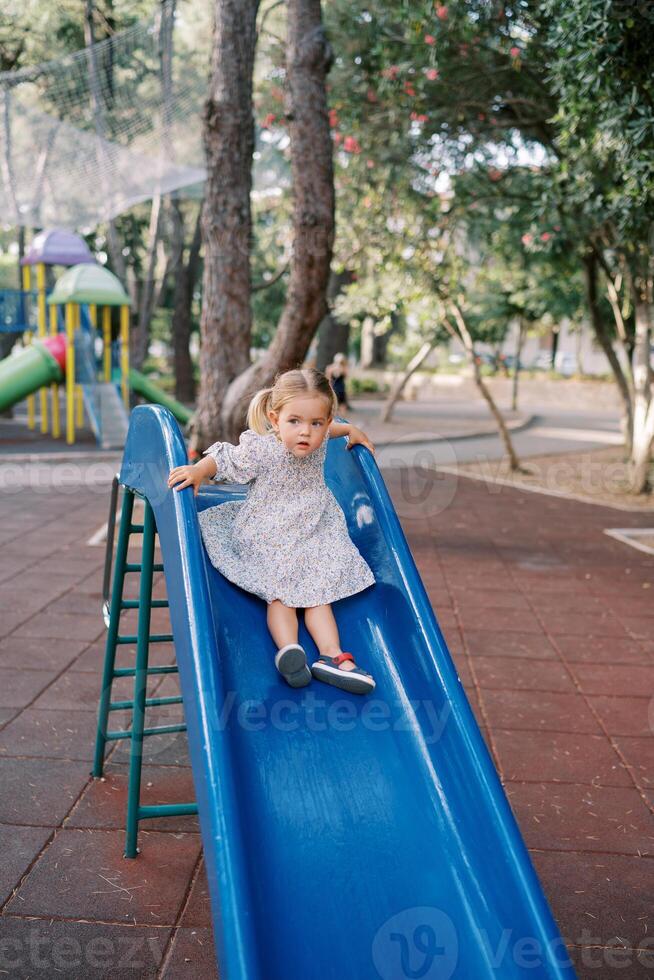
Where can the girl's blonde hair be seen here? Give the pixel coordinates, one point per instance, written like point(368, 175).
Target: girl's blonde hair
point(286, 386)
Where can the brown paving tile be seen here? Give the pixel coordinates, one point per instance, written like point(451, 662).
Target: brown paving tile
point(104, 802)
point(641, 604)
point(55, 734)
point(198, 909)
point(640, 627)
point(554, 581)
point(36, 654)
point(587, 625)
point(6, 714)
point(639, 753)
point(597, 963)
point(583, 818)
point(63, 626)
point(500, 620)
point(579, 649)
point(624, 716)
point(158, 750)
point(608, 894)
point(83, 874)
point(474, 599)
point(550, 603)
point(39, 791)
point(19, 846)
point(78, 691)
point(559, 758)
point(47, 948)
point(484, 644)
point(626, 680)
point(19, 687)
point(512, 673)
point(538, 711)
point(192, 956)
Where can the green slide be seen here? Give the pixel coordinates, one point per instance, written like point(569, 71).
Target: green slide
point(40, 363)
point(157, 396)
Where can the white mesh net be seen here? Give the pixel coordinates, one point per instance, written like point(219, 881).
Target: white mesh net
point(84, 138)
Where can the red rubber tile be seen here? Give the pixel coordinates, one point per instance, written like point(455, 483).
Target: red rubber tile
point(19, 846)
point(192, 956)
point(55, 734)
point(514, 674)
point(63, 626)
point(639, 753)
point(588, 625)
point(19, 687)
point(559, 758)
point(104, 802)
point(599, 899)
point(626, 680)
point(531, 645)
point(611, 963)
point(77, 691)
point(38, 654)
point(83, 874)
point(595, 650)
point(39, 791)
point(538, 711)
point(624, 716)
point(198, 911)
point(500, 620)
point(38, 949)
point(582, 818)
point(473, 599)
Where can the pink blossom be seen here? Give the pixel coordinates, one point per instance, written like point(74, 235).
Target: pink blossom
point(526, 239)
point(350, 145)
point(333, 118)
point(432, 74)
point(515, 52)
point(441, 11)
point(430, 39)
point(409, 89)
point(545, 237)
point(268, 120)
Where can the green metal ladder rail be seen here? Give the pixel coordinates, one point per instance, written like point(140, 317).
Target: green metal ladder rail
point(141, 671)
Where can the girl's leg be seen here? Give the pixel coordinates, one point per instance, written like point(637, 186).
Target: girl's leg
point(282, 623)
point(320, 622)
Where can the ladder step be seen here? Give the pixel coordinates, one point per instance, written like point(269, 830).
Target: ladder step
point(134, 604)
point(149, 703)
point(131, 671)
point(135, 566)
point(136, 529)
point(155, 638)
point(168, 810)
point(163, 730)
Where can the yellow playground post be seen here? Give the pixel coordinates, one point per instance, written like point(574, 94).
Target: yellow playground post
point(42, 331)
point(54, 388)
point(31, 402)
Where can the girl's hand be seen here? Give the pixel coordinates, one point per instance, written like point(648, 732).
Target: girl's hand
point(186, 476)
point(356, 435)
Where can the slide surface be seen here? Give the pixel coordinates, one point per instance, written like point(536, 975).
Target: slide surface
point(346, 836)
point(21, 374)
point(143, 386)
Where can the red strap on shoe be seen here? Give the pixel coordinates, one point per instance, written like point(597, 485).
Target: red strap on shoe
point(341, 657)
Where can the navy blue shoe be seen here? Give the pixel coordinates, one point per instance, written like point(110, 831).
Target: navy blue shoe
point(356, 681)
point(291, 662)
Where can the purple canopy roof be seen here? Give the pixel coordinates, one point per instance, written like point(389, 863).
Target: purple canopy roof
point(58, 247)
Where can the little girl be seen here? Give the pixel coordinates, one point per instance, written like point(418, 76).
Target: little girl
point(288, 541)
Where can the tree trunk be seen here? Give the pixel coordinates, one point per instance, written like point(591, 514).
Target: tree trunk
point(333, 334)
point(185, 278)
point(309, 57)
point(463, 334)
point(400, 384)
point(516, 366)
point(604, 340)
point(643, 424)
point(228, 132)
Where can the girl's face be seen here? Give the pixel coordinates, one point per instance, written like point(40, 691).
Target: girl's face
point(302, 423)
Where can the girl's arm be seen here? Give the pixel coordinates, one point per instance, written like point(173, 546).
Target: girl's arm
point(354, 433)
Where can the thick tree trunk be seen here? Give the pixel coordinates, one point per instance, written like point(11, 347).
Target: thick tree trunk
point(309, 57)
point(604, 340)
point(643, 430)
point(400, 384)
point(226, 322)
point(333, 334)
point(186, 274)
point(463, 334)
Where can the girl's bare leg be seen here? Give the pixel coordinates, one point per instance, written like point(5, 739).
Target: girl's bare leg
point(282, 623)
point(320, 622)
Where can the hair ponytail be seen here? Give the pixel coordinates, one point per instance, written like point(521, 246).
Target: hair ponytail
point(257, 417)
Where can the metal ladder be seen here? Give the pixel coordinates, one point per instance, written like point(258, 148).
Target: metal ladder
point(112, 609)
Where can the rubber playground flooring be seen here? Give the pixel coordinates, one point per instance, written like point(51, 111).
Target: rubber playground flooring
point(550, 623)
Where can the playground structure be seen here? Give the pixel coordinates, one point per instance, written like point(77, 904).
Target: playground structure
point(412, 825)
point(72, 342)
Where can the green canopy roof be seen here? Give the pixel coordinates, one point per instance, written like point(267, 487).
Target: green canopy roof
point(89, 284)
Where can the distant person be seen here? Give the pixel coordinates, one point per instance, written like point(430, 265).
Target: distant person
point(337, 373)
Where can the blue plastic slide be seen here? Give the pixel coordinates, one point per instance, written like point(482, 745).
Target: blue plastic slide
point(346, 837)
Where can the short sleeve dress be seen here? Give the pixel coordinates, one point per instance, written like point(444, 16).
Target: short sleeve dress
point(288, 539)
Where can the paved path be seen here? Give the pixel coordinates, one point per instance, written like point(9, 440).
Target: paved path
point(551, 625)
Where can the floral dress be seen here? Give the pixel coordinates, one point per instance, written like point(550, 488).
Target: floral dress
point(288, 539)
